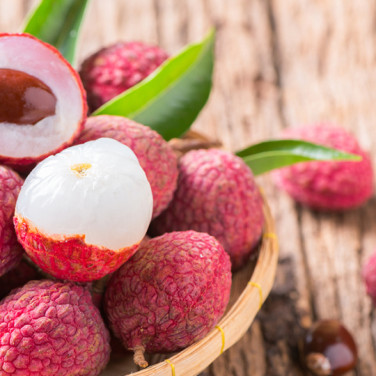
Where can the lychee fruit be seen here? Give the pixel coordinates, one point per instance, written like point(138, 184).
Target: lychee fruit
point(155, 155)
point(51, 328)
point(217, 194)
point(369, 276)
point(82, 213)
point(171, 293)
point(328, 185)
point(116, 68)
point(42, 100)
point(17, 277)
point(10, 250)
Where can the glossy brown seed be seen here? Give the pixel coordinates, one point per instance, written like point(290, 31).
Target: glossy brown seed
point(329, 349)
point(24, 99)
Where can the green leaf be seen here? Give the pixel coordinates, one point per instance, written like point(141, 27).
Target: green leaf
point(269, 155)
point(58, 22)
point(170, 99)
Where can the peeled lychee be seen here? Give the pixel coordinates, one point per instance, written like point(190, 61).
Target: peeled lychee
point(369, 276)
point(328, 185)
point(217, 194)
point(51, 328)
point(171, 293)
point(82, 213)
point(10, 249)
point(116, 68)
point(155, 155)
point(42, 101)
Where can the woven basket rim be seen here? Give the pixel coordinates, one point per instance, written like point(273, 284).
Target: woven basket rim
point(234, 324)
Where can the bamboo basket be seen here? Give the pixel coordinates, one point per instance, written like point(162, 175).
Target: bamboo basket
point(250, 287)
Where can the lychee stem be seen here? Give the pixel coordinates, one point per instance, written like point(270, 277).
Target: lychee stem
point(138, 356)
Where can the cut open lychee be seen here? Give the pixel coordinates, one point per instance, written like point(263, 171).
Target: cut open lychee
point(82, 213)
point(42, 100)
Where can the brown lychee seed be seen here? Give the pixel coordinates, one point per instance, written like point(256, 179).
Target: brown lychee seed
point(10, 250)
point(42, 101)
point(52, 328)
point(170, 294)
point(154, 154)
point(329, 349)
point(217, 194)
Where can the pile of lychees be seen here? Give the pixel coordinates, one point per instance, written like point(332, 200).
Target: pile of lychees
point(87, 191)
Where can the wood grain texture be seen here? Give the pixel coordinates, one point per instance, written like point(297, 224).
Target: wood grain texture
point(279, 63)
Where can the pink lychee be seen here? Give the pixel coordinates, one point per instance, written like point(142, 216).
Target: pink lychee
point(42, 101)
point(328, 185)
point(51, 328)
point(217, 194)
point(170, 294)
point(10, 250)
point(155, 155)
point(369, 276)
point(116, 68)
point(82, 212)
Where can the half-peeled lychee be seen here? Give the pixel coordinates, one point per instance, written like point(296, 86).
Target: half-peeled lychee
point(42, 101)
point(82, 213)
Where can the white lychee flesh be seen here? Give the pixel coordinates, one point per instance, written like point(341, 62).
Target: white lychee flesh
point(29, 55)
point(96, 189)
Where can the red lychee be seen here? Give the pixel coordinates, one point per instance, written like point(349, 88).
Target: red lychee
point(42, 101)
point(82, 212)
point(116, 68)
point(328, 185)
point(369, 276)
point(155, 155)
point(51, 328)
point(217, 194)
point(170, 294)
point(10, 250)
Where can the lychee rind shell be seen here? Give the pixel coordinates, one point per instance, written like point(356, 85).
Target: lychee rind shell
point(69, 258)
point(217, 194)
point(154, 154)
point(328, 185)
point(51, 328)
point(26, 163)
point(170, 293)
point(10, 250)
point(116, 68)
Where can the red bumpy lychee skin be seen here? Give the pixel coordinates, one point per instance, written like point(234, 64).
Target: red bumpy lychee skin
point(328, 185)
point(116, 68)
point(64, 258)
point(30, 65)
point(369, 276)
point(217, 194)
point(51, 328)
point(170, 293)
point(10, 250)
point(154, 154)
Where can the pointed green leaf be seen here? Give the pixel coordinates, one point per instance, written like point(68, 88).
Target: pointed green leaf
point(170, 99)
point(58, 22)
point(269, 155)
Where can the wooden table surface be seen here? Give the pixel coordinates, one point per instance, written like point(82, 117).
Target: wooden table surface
point(279, 63)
